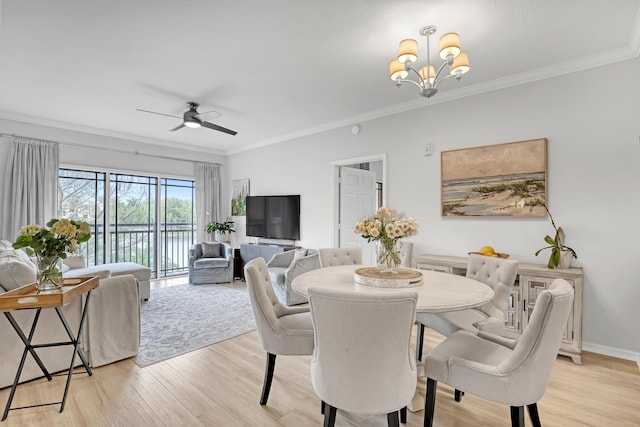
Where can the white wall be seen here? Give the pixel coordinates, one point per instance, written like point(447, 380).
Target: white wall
point(592, 122)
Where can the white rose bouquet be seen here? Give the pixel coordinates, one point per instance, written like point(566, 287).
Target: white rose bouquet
point(50, 245)
point(387, 226)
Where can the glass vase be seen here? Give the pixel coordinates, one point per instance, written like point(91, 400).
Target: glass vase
point(389, 255)
point(49, 274)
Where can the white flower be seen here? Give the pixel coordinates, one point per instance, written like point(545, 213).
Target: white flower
point(29, 230)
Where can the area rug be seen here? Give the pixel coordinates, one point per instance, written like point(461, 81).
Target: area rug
point(182, 318)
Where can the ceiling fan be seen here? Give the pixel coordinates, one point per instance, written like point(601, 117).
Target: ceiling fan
point(192, 119)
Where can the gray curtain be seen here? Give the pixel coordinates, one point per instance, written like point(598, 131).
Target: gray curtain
point(207, 182)
point(30, 185)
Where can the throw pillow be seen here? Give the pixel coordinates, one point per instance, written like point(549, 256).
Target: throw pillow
point(211, 250)
point(299, 253)
point(14, 270)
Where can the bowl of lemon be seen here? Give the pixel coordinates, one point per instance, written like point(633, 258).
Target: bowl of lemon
point(489, 251)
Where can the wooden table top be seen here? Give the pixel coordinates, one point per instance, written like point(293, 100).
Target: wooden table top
point(28, 296)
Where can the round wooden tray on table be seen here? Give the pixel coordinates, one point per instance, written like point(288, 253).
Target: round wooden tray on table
point(388, 278)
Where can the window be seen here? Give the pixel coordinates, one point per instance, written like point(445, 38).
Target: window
point(151, 219)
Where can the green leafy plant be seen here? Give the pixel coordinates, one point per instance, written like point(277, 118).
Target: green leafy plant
point(556, 244)
point(222, 227)
point(62, 236)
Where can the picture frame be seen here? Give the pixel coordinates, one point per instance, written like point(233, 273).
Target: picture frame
point(240, 191)
point(501, 180)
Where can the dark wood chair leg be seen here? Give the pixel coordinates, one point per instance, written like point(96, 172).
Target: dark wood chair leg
point(322, 404)
point(268, 376)
point(533, 414)
point(403, 415)
point(419, 341)
point(392, 419)
point(329, 416)
point(458, 395)
point(517, 416)
point(430, 402)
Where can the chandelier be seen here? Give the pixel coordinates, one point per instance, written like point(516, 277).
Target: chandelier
point(427, 77)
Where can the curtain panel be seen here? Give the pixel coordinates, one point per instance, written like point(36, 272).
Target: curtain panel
point(30, 186)
point(207, 183)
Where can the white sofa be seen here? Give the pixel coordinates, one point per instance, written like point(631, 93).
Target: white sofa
point(111, 330)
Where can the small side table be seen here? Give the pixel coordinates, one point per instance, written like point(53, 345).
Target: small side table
point(28, 297)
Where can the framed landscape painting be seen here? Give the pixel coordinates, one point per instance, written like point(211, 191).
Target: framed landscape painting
point(239, 197)
point(505, 180)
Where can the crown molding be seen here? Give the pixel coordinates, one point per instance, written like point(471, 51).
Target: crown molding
point(610, 57)
point(102, 132)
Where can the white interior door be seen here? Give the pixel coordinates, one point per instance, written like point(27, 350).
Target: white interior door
point(357, 200)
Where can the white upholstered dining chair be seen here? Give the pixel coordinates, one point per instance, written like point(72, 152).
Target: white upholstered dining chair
point(363, 361)
point(282, 330)
point(497, 273)
point(512, 372)
point(331, 257)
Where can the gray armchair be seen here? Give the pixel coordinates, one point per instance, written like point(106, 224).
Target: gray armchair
point(286, 266)
point(210, 262)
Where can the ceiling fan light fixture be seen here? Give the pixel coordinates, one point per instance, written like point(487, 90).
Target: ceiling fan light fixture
point(192, 124)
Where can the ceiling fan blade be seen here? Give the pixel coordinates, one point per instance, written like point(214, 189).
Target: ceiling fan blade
point(219, 128)
point(209, 112)
point(161, 114)
point(177, 127)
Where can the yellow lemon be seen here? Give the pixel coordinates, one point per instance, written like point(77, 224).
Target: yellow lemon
point(487, 250)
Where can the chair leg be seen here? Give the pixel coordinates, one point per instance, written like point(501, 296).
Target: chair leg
point(268, 376)
point(392, 419)
point(329, 416)
point(419, 341)
point(430, 402)
point(533, 414)
point(517, 416)
point(403, 415)
point(322, 404)
point(458, 395)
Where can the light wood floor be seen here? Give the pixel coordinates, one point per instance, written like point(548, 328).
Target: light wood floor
point(220, 386)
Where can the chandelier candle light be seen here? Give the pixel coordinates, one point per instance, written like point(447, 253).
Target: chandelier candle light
point(427, 77)
point(387, 227)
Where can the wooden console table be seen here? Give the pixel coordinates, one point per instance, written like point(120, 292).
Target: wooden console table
point(530, 281)
point(28, 297)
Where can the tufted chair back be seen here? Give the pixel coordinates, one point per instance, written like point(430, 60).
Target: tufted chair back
point(331, 257)
point(282, 330)
point(363, 361)
point(513, 372)
point(499, 274)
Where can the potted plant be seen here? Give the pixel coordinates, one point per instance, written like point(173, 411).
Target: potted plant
point(221, 229)
point(561, 255)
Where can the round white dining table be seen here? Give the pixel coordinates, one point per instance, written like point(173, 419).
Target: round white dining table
point(439, 292)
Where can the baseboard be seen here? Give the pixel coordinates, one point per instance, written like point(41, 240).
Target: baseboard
point(612, 351)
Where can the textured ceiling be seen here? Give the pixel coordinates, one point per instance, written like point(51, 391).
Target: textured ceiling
point(276, 69)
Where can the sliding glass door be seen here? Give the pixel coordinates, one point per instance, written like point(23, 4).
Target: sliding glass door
point(151, 219)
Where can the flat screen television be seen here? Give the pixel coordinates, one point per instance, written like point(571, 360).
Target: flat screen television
point(274, 217)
